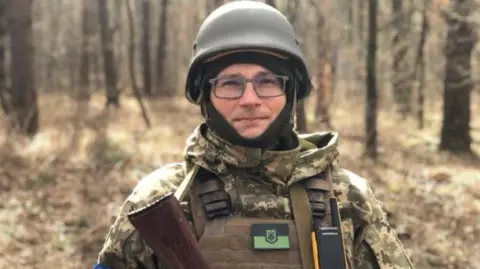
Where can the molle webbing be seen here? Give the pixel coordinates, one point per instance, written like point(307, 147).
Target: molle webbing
point(214, 198)
point(208, 200)
point(318, 190)
point(226, 244)
point(225, 241)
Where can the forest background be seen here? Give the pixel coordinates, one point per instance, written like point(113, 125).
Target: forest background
point(92, 100)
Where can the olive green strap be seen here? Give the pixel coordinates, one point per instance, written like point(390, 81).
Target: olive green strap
point(302, 214)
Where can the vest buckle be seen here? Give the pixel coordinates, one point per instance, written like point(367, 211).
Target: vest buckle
point(216, 203)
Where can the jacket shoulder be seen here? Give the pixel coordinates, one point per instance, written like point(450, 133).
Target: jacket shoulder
point(355, 194)
point(157, 183)
point(355, 180)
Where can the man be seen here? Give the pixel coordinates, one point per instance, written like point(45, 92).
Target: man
point(247, 73)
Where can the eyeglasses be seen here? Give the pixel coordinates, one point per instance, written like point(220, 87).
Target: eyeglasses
point(265, 86)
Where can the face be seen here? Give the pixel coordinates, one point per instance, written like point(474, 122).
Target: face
point(250, 115)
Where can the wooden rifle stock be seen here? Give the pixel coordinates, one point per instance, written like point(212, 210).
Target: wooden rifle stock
point(166, 230)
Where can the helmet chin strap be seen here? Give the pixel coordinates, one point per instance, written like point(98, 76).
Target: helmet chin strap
point(267, 140)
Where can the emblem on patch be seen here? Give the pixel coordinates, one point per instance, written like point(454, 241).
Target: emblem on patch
point(267, 236)
point(271, 236)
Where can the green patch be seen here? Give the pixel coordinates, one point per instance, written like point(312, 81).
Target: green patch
point(267, 236)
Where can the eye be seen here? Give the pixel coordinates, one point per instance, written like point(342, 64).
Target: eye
point(269, 80)
point(225, 82)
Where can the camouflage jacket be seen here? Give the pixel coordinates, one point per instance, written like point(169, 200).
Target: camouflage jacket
point(379, 246)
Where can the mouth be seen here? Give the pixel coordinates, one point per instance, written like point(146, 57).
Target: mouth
point(250, 119)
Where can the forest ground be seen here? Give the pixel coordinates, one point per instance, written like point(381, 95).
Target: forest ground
point(61, 191)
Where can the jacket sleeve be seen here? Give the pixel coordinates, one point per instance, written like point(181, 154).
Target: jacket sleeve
point(123, 248)
point(380, 247)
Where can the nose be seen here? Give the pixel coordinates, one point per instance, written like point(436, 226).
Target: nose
point(249, 97)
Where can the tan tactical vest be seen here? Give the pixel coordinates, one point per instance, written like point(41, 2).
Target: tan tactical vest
point(226, 242)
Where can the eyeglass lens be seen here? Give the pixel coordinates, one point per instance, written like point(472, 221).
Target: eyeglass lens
point(264, 86)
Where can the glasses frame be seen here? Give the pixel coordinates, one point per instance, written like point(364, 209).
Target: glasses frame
point(284, 79)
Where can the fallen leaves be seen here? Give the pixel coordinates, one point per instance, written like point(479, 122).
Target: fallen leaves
point(58, 203)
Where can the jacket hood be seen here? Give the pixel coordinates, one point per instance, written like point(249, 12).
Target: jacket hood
point(310, 157)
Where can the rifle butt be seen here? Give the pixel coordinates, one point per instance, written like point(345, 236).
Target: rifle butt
point(166, 230)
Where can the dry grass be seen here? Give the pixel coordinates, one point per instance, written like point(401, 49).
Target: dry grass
point(61, 191)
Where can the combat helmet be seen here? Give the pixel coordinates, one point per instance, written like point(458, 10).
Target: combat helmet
point(245, 25)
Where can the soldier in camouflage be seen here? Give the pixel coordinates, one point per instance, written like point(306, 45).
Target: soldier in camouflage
point(247, 73)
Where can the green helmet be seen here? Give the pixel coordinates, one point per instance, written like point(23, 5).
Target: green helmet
point(245, 25)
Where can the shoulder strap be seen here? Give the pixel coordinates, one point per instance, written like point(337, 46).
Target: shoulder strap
point(302, 215)
point(310, 200)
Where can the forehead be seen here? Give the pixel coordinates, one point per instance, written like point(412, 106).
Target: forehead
point(244, 69)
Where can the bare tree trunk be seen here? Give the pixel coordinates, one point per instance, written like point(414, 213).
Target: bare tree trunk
point(271, 3)
point(401, 82)
point(146, 64)
point(217, 3)
point(361, 20)
point(53, 69)
point(461, 39)
point(131, 63)
point(50, 81)
point(97, 69)
point(73, 70)
point(348, 65)
point(109, 69)
point(161, 82)
point(52, 77)
point(22, 92)
point(301, 124)
point(371, 97)
point(4, 100)
point(193, 27)
point(420, 65)
point(358, 68)
point(121, 55)
point(87, 47)
point(211, 5)
point(360, 44)
point(292, 11)
point(350, 22)
point(322, 116)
